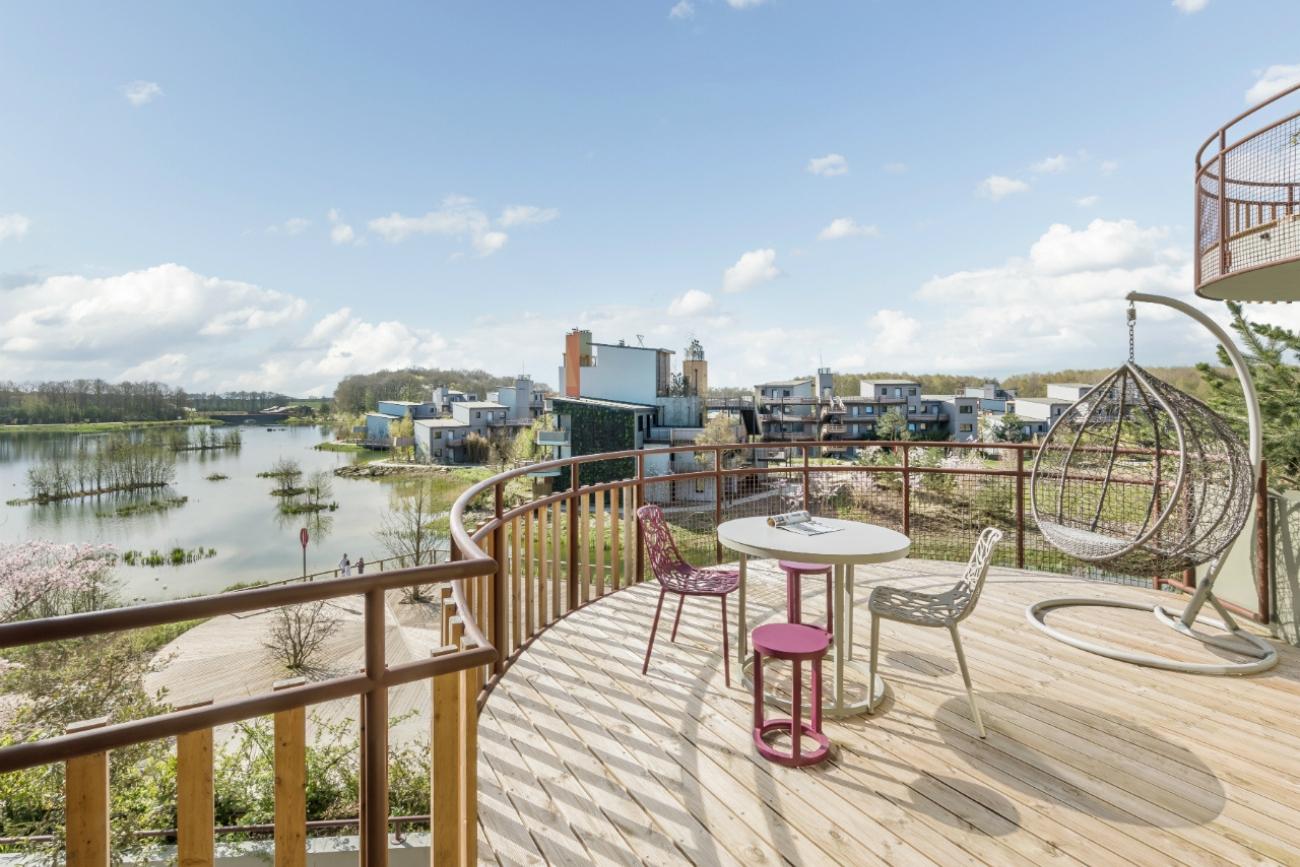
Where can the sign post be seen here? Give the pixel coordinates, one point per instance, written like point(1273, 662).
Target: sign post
point(302, 537)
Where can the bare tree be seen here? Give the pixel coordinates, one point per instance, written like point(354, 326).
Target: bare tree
point(408, 531)
point(298, 633)
point(320, 487)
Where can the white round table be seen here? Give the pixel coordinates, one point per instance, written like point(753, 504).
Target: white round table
point(852, 543)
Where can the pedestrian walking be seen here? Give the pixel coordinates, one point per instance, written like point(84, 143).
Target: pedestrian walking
point(345, 566)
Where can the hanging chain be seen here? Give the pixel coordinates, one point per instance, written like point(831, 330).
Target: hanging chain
point(1132, 320)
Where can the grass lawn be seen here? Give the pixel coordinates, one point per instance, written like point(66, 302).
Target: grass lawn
point(98, 426)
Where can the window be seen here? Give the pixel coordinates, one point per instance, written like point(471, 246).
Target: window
point(898, 392)
point(870, 410)
point(967, 428)
point(699, 486)
point(924, 425)
point(966, 409)
point(478, 414)
point(437, 434)
point(911, 392)
point(911, 426)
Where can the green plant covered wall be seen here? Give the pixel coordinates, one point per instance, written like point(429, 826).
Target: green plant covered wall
point(595, 429)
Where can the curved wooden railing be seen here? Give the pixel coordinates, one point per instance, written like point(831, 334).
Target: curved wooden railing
point(522, 568)
point(1247, 201)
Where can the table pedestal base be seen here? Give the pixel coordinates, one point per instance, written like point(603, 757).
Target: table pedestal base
point(856, 698)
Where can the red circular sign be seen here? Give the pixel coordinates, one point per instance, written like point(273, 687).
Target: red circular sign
point(302, 536)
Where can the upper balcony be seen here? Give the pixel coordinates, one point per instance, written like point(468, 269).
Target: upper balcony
point(1248, 206)
point(547, 744)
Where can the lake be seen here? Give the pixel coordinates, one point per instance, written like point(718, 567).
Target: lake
point(238, 517)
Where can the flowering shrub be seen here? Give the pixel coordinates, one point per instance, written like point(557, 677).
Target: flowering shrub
point(46, 579)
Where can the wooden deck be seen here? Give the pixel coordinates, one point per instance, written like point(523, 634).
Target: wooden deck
point(1087, 760)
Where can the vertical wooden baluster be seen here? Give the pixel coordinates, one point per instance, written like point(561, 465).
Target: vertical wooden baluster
point(444, 764)
point(448, 609)
point(291, 782)
point(629, 536)
point(86, 799)
point(584, 549)
point(530, 603)
point(469, 687)
point(516, 621)
point(195, 846)
point(615, 570)
point(555, 560)
point(543, 566)
point(599, 505)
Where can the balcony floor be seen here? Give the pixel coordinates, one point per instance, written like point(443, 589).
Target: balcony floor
point(1087, 760)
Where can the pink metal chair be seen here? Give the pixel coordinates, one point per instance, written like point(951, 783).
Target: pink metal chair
point(675, 575)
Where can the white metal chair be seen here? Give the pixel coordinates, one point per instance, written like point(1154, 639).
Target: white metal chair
point(947, 609)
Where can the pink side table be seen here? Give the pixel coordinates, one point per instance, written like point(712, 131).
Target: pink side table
point(797, 644)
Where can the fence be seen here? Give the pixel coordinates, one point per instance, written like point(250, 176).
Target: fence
point(518, 572)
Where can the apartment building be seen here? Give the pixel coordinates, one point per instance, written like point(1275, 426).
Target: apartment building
point(992, 397)
point(524, 400)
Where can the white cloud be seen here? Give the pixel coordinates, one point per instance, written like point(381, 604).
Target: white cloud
point(1103, 245)
point(1108, 167)
point(340, 232)
point(14, 226)
point(892, 331)
point(846, 227)
point(140, 93)
point(744, 4)
point(1087, 201)
point(895, 168)
point(828, 166)
point(459, 217)
point(291, 226)
point(1273, 81)
point(170, 367)
point(682, 9)
point(119, 322)
point(691, 303)
point(1051, 165)
point(1188, 7)
point(751, 269)
point(519, 215)
point(997, 187)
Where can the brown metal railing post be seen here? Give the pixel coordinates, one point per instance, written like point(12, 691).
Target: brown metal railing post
point(1262, 541)
point(572, 508)
point(374, 826)
point(717, 502)
point(498, 603)
point(640, 501)
point(806, 480)
point(1020, 508)
point(1223, 204)
point(907, 492)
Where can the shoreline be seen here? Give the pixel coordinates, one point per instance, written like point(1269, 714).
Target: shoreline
point(100, 426)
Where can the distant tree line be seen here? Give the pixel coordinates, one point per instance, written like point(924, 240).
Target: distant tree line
point(88, 400)
point(246, 401)
point(359, 392)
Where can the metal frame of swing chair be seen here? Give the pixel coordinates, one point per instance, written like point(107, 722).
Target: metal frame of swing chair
point(1237, 640)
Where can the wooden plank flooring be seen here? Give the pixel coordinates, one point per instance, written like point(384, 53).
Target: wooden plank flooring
point(1088, 761)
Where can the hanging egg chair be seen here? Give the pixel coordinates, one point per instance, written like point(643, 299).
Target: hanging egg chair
point(1140, 478)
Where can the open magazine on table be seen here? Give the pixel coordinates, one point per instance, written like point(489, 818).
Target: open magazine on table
point(800, 522)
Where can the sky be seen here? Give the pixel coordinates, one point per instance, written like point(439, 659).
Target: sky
point(273, 196)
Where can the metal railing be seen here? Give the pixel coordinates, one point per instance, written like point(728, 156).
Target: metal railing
point(526, 567)
point(1247, 205)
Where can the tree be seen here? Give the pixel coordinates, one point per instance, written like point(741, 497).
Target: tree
point(477, 449)
point(893, 426)
point(403, 430)
point(298, 634)
point(320, 487)
point(1006, 428)
point(503, 450)
point(409, 531)
point(720, 430)
point(1266, 349)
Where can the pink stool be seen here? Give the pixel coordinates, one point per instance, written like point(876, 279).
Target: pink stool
point(794, 572)
point(796, 643)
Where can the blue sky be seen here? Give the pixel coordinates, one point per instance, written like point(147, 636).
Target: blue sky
point(276, 195)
